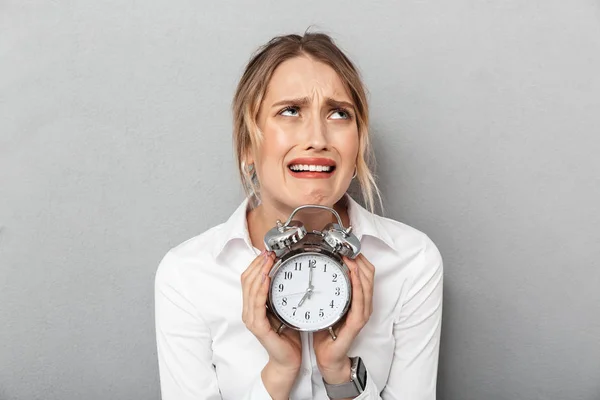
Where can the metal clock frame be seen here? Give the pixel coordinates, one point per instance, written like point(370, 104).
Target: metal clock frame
point(290, 239)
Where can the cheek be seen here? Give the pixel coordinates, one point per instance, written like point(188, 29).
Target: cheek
point(275, 146)
point(348, 146)
point(280, 135)
point(277, 141)
point(354, 147)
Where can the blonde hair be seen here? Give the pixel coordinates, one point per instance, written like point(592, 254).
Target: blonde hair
point(253, 85)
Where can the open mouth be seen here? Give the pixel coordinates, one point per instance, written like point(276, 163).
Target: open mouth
point(302, 168)
point(311, 167)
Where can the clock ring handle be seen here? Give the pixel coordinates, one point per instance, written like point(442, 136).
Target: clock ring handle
point(335, 213)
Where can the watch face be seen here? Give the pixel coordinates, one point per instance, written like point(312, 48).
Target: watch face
point(361, 375)
point(310, 291)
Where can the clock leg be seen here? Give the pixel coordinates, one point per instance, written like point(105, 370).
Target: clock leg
point(332, 333)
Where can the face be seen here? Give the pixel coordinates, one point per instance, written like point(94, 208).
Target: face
point(310, 136)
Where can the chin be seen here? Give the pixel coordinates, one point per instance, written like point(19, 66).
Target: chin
point(319, 198)
point(294, 196)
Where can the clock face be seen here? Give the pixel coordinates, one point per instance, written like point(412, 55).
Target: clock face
point(310, 302)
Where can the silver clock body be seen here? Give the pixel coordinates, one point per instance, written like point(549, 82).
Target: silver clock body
point(310, 287)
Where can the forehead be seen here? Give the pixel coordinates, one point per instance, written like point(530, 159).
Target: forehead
point(304, 77)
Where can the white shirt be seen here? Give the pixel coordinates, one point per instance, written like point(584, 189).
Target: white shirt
point(205, 351)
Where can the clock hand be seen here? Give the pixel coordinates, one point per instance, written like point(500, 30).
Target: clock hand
point(310, 286)
point(292, 294)
point(307, 294)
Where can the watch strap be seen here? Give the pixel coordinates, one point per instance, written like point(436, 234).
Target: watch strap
point(348, 389)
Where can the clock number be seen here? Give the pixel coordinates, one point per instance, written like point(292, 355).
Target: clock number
point(298, 266)
point(312, 263)
point(321, 313)
point(294, 313)
point(334, 278)
point(331, 304)
point(287, 275)
point(307, 315)
point(324, 267)
point(284, 301)
point(280, 287)
point(337, 291)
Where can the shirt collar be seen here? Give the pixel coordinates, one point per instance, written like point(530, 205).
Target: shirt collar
point(363, 222)
point(235, 228)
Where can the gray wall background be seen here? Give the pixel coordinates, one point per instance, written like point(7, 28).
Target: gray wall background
point(115, 146)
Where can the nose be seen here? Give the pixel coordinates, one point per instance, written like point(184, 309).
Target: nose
point(317, 135)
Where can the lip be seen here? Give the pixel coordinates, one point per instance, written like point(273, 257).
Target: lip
point(313, 161)
point(312, 174)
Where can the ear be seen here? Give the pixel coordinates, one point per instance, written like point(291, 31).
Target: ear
point(248, 157)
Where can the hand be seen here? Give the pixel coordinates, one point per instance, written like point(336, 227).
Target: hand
point(332, 355)
point(285, 349)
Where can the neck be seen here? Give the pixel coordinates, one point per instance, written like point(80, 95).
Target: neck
point(265, 216)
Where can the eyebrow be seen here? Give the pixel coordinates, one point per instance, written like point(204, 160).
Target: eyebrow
point(303, 101)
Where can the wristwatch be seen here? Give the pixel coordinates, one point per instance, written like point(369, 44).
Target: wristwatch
point(357, 384)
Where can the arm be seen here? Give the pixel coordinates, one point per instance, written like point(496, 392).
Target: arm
point(184, 343)
point(413, 374)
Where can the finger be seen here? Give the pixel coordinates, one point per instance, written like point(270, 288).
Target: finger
point(256, 263)
point(255, 278)
point(367, 280)
point(368, 294)
point(257, 299)
point(257, 269)
point(356, 313)
point(247, 278)
point(366, 266)
point(260, 287)
point(275, 323)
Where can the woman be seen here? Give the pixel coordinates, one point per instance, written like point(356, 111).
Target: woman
point(299, 103)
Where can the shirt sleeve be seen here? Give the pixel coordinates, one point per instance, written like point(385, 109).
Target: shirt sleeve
point(413, 373)
point(183, 341)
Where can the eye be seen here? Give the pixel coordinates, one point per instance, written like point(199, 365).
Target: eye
point(341, 114)
point(291, 111)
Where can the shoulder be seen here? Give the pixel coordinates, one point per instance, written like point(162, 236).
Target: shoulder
point(417, 251)
point(401, 247)
point(189, 256)
point(403, 235)
point(414, 263)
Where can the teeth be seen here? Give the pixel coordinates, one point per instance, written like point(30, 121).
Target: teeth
point(315, 168)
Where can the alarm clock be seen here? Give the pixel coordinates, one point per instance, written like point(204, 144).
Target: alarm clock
point(310, 287)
